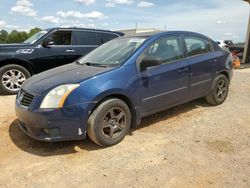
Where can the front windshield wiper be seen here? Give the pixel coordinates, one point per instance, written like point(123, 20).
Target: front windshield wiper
point(96, 64)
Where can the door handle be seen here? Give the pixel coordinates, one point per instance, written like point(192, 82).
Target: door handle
point(70, 50)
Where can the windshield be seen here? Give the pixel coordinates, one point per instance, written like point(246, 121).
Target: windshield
point(35, 37)
point(113, 53)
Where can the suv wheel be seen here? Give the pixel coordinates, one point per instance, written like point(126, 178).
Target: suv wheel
point(109, 123)
point(11, 78)
point(219, 91)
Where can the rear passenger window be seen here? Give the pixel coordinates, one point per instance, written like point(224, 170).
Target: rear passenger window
point(168, 49)
point(105, 37)
point(196, 46)
point(85, 38)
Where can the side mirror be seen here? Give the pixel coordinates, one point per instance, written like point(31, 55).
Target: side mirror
point(149, 62)
point(47, 43)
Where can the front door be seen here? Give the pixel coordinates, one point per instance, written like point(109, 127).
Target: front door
point(59, 53)
point(164, 85)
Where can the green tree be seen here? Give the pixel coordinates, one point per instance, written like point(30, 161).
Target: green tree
point(3, 36)
point(34, 31)
point(15, 36)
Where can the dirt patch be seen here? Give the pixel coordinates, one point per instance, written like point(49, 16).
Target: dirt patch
point(192, 145)
point(221, 146)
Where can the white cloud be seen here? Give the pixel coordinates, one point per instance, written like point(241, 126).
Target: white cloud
point(24, 7)
point(2, 23)
point(230, 35)
point(25, 3)
point(12, 26)
point(51, 19)
point(79, 25)
point(105, 25)
point(144, 4)
point(86, 2)
point(77, 14)
point(112, 3)
point(220, 22)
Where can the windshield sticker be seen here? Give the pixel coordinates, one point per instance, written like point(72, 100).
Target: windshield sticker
point(137, 40)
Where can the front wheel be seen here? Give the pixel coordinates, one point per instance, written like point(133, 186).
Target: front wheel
point(109, 123)
point(12, 78)
point(219, 91)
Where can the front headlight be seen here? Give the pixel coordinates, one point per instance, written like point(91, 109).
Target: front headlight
point(57, 96)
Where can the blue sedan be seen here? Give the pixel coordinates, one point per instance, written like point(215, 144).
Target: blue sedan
point(107, 91)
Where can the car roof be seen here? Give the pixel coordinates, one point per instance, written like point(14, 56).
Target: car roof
point(163, 33)
point(84, 29)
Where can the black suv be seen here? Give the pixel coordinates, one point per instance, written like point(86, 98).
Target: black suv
point(45, 50)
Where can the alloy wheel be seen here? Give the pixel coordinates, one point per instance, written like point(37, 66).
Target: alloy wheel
point(221, 90)
point(114, 123)
point(13, 79)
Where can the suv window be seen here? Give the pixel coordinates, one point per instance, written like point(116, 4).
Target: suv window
point(85, 38)
point(168, 49)
point(105, 37)
point(61, 38)
point(196, 45)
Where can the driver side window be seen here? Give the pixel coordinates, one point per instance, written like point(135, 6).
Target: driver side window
point(167, 50)
point(61, 38)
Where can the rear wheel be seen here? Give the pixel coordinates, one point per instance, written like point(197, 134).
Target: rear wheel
point(219, 91)
point(12, 78)
point(109, 123)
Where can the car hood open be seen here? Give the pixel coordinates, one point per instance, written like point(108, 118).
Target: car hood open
point(67, 74)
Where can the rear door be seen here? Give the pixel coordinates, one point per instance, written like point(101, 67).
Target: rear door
point(201, 62)
point(164, 85)
point(84, 42)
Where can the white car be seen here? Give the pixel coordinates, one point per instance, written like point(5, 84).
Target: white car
point(224, 44)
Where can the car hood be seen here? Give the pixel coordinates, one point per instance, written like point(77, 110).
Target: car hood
point(13, 45)
point(41, 83)
point(10, 50)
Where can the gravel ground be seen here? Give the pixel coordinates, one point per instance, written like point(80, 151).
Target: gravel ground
point(192, 145)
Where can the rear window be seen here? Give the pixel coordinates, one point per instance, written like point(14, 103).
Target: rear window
point(197, 46)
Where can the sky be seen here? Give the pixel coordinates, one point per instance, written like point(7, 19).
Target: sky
point(218, 19)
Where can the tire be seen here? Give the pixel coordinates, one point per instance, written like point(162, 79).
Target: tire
point(219, 91)
point(109, 122)
point(12, 77)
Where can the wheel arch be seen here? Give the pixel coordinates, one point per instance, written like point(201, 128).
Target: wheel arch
point(225, 73)
point(134, 113)
point(24, 63)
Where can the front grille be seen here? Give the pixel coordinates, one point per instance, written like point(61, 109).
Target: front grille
point(25, 99)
